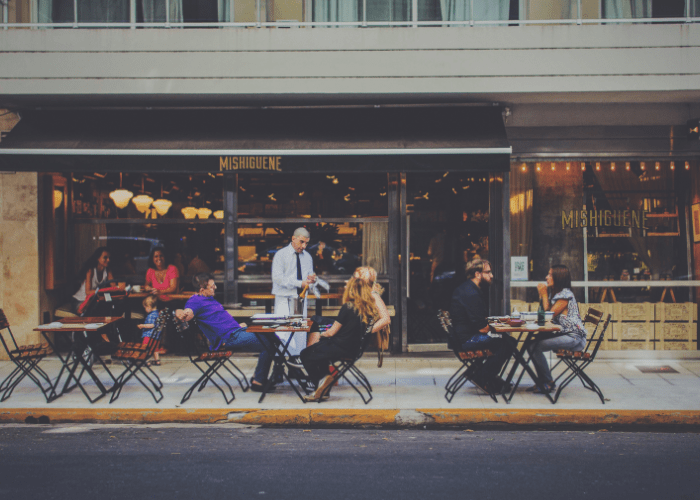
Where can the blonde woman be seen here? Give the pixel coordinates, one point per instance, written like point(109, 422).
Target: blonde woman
point(381, 327)
point(343, 338)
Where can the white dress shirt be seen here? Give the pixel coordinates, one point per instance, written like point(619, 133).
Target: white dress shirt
point(284, 271)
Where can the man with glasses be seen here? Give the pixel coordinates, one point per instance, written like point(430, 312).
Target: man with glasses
point(221, 329)
point(469, 313)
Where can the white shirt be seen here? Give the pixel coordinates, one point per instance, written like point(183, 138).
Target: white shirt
point(284, 270)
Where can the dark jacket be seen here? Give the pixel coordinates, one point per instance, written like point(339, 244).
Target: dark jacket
point(468, 310)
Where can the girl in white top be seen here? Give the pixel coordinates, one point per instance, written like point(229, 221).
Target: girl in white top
point(96, 273)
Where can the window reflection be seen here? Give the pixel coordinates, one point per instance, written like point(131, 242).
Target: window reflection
point(312, 195)
point(172, 196)
point(337, 248)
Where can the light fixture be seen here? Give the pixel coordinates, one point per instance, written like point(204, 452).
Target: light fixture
point(597, 165)
point(583, 166)
point(673, 165)
point(553, 168)
point(203, 213)
point(335, 180)
point(568, 166)
point(537, 167)
point(627, 165)
point(658, 165)
point(524, 168)
point(219, 214)
point(142, 202)
point(57, 198)
point(642, 165)
point(189, 212)
point(687, 165)
point(162, 206)
point(612, 166)
point(121, 196)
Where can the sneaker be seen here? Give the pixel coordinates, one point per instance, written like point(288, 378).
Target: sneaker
point(295, 361)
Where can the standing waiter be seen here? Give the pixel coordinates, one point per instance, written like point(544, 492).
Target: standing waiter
point(292, 271)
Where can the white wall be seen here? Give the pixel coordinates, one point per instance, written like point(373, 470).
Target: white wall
point(529, 64)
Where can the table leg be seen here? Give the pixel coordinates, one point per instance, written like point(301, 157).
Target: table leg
point(518, 354)
point(268, 306)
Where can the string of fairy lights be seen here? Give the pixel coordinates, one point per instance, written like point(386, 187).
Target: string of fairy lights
point(598, 166)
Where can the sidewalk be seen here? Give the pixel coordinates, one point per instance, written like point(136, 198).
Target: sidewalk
point(408, 392)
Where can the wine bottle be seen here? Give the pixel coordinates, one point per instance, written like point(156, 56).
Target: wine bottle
point(540, 315)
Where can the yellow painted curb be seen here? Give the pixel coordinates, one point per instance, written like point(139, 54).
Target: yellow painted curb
point(432, 417)
point(564, 417)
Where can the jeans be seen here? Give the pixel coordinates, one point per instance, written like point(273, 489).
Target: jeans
point(502, 348)
point(242, 338)
point(569, 342)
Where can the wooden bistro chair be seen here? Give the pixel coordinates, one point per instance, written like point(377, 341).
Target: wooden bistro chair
point(210, 363)
point(346, 367)
point(577, 361)
point(26, 359)
point(135, 358)
point(471, 361)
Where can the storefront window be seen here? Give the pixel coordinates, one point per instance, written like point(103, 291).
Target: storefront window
point(448, 221)
point(131, 233)
point(312, 195)
point(624, 230)
point(149, 196)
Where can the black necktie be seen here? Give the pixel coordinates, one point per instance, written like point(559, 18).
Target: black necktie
point(298, 271)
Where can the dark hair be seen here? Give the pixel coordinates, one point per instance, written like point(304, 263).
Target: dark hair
point(561, 278)
point(201, 280)
point(153, 252)
point(475, 266)
point(91, 263)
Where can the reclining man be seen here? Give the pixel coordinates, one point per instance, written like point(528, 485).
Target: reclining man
point(469, 314)
point(221, 329)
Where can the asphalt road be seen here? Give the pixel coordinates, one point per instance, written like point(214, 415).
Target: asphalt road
point(231, 462)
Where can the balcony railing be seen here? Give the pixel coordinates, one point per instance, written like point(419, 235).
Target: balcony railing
point(320, 14)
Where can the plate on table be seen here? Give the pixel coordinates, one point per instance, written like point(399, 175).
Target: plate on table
point(55, 324)
point(93, 326)
point(533, 326)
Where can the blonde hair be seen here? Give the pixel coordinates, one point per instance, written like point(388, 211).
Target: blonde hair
point(359, 293)
point(150, 301)
point(368, 274)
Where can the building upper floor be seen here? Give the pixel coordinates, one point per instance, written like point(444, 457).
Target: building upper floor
point(333, 13)
point(505, 51)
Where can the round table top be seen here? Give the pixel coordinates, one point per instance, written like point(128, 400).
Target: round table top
point(269, 296)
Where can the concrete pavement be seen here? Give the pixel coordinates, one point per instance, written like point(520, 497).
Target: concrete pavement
point(408, 392)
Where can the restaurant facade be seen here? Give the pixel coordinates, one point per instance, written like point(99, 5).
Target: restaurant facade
point(414, 179)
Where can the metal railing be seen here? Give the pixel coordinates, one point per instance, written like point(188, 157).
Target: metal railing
point(690, 17)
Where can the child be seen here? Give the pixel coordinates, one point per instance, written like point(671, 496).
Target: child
point(150, 306)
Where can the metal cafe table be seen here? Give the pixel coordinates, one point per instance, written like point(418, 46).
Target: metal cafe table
point(269, 299)
point(533, 334)
point(72, 329)
point(279, 351)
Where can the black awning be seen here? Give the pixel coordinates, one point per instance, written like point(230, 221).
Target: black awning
point(458, 137)
point(624, 143)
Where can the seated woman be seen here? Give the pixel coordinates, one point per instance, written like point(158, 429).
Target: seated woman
point(94, 273)
point(343, 338)
point(161, 278)
point(368, 274)
point(557, 297)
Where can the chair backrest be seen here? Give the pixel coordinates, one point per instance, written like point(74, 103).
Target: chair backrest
point(162, 321)
point(594, 317)
point(600, 337)
point(364, 342)
point(446, 323)
point(5, 325)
